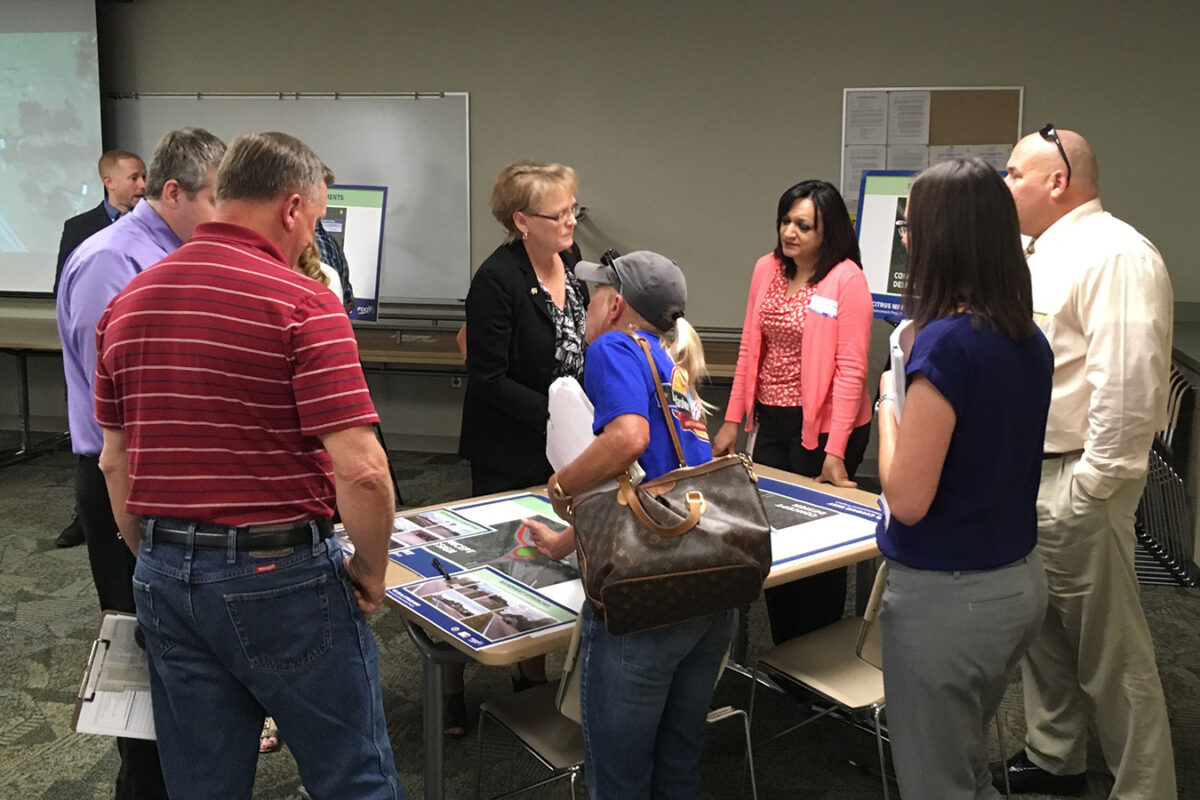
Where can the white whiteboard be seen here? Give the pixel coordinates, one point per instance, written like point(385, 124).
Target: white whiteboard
point(417, 147)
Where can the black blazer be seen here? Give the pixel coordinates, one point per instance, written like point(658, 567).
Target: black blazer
point(75, 230)
point(510, 364)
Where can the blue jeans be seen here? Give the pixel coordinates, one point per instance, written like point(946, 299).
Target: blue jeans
point(644, 699)
point(233, 635)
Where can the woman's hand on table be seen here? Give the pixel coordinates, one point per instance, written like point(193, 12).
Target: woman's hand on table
point(834, 471)
point(725, 440)
point(553, 544)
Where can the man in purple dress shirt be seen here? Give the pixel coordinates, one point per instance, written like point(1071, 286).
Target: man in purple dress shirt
point(179, 196)
point(124, 177)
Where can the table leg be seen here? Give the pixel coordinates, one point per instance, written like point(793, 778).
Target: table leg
point(27, 449)
point(435, 655)
point(23, 390)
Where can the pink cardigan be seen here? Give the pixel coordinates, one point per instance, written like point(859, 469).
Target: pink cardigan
point(833, 355)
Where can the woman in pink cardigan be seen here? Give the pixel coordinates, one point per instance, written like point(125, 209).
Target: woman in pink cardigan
point(801, 378)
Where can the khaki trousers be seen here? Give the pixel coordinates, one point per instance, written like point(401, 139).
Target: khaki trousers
point(1093, 656)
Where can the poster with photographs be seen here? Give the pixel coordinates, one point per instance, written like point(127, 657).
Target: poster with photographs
point(502, 539)
point(427, 527)
point(881, 205)
point(482, 606)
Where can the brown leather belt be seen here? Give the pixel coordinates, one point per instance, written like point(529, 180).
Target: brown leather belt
point(248, 537)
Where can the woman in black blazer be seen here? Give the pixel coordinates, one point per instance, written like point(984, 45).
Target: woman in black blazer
point(525, 327)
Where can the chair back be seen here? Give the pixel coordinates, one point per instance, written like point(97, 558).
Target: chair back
point(568, 686)
point(868, 647)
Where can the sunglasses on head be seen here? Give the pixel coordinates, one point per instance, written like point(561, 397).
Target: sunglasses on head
point(1050, 134)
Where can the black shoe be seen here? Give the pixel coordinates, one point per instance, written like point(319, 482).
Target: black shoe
point(1025, 777)
point(71, 535)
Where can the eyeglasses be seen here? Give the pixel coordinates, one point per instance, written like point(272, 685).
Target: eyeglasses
point(1050, 134)
point(902, 227)
point(561, 216)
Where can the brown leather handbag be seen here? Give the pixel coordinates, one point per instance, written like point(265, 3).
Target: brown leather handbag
point(688, 543)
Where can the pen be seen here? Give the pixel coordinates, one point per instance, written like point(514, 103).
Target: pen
point(438, 566)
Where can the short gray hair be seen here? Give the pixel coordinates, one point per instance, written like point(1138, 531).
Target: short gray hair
point(185, 155)
point(263, 166)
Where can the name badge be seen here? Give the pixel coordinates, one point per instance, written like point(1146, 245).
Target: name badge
point(825, 306)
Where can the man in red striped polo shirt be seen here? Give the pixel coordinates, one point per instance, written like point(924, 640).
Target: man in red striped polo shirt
point(235, 415)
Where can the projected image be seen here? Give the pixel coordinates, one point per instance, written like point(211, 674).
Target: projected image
point(49, 144)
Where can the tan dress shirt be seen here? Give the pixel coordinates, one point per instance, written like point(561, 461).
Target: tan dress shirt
point(1102, 296)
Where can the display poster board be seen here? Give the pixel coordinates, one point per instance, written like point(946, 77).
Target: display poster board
point(911, 128)
point(354, 219)
point(415, 145)
point(482, 581)
point(882, 197)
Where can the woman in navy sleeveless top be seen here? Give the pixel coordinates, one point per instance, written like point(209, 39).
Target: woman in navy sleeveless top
point(960, 469)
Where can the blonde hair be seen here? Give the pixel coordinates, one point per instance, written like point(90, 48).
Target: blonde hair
point(522, 185)
point(309, 264)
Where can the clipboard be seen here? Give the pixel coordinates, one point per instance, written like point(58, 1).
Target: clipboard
point(899, 347)
point(114, 694)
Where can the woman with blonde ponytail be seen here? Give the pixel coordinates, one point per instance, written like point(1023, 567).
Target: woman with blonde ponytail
point(645, 695)
point(310, 264)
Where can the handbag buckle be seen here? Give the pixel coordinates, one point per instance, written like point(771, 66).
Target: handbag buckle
point(749, 465)
point(696, 496)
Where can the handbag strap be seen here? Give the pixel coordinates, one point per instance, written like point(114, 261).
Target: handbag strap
point(627, 496)
point(662, 396)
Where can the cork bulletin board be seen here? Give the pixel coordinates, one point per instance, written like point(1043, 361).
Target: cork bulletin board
point(902, 128)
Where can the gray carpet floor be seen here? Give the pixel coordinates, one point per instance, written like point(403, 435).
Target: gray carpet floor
point(48, 617)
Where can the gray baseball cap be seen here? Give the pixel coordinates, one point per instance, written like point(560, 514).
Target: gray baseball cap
point(652, 284)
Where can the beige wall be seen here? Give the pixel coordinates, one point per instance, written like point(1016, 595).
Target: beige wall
point(687, 119)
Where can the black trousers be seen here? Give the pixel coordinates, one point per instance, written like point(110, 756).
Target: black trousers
point(139, 776)
point(807, 604)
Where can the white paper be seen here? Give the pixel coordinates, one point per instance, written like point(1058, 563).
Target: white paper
point(866, 118)
point(567, 593)
point(569, 429)
point(907, 156)
point(855, 161)
point(945, 152)
point(908, 118)
point(819, 536)
point(994, 154)
point(900, 347)
point(115, 699)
